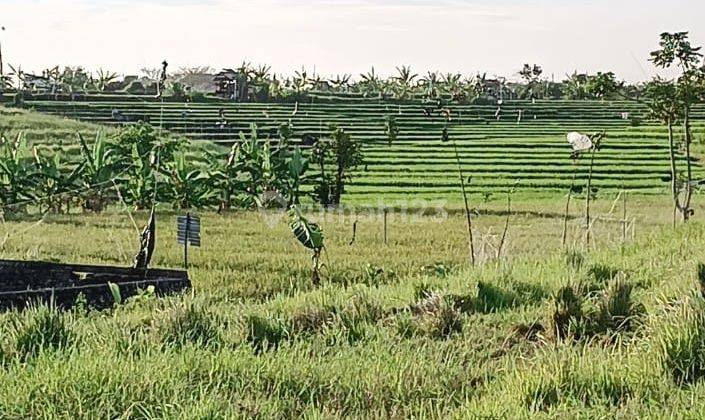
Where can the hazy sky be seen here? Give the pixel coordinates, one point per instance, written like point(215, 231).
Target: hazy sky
point(347, 36)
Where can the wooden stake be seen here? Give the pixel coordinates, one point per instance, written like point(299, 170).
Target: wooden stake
point(471, 244)
point(188, 226)
point(506, 224)
point(385, 211)
point(587, 200)
point(624, 216)
point(567, 209)
point(354, 233)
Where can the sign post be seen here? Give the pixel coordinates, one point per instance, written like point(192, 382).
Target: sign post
point(188, 232)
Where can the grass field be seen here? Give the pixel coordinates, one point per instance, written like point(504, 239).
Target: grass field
point(496, 155)
point(398, 330)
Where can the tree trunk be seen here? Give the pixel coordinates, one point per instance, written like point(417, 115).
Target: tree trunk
point(689, 170)
point(471, 242)
point(564, 237)
point(674, 171)
point(587, 199)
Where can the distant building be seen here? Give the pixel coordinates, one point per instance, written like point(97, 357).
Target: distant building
point(231, 84)
point(322, 86)
point(225, 83)
point(37, 83)
point(199, 82)
point(119, 85)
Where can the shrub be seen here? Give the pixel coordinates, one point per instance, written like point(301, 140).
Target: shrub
point(491, 298)
point(354, 317)
point(701, 279)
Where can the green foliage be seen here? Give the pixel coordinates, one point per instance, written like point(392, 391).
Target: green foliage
point(433, 315)
point(264, 333)
point(575, 87)
point(347, 155)
point(144, 158)
point(17, 174)
point(97, 172)
point(53, 180)
point(532, 78)
point(115, 292)
point(602, 85)
point(190, 186)
point(256, 173)
point(617, 310)
point(308, 234)
point(567, 312)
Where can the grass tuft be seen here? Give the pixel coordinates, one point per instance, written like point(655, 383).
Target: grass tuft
point(567, 312)
point(40, 329)
point(679, 340)
point(265, 333)
point(189, 323)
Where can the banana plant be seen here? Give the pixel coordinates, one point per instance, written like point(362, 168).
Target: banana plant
point(17, 174)
point(54, 181)
point(310, 236)
point(97, 171)
point(246, 173)
point(370, 83)
point(340, 83)
point(105, 77)
point(139, 186)
point(18, 74)
point(144, 154)
point(225, 178)
point(297, 166)
point(189, 185)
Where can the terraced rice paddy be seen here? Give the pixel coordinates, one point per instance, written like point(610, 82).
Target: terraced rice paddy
point(531, 154)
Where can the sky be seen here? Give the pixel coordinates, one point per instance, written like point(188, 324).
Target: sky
point(347, 36)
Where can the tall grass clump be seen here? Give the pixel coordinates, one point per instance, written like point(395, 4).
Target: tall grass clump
point(616, 309)
point(39, 329)
point(580, 376)
point(190, 323)
point(567, 313)
point(433, 315)
point(265, 332)
point(679, 339)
